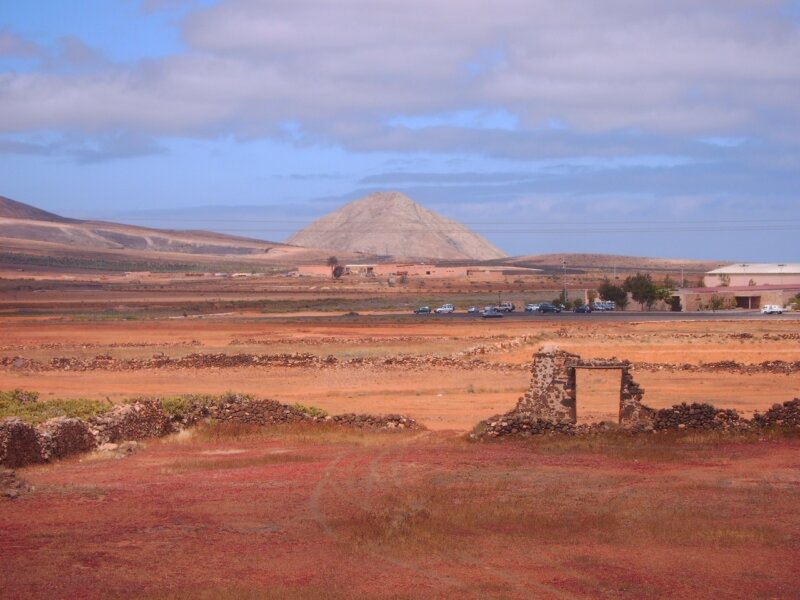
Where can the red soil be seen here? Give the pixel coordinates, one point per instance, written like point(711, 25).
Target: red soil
point(301, 514)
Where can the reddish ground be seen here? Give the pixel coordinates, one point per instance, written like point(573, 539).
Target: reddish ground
point(442, 398)
point(306, 514)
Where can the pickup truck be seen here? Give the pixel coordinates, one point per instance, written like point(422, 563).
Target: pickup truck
point(771, 309)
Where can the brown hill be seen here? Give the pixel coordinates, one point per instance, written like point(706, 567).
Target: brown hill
point(609, 262)
point(391, 224)
point(30, 236)
point(11, 209)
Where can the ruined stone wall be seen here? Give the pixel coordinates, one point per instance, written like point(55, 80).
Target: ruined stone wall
point(130, 422)
point(632, 412)
point(22, 444)
point(782, 415)
point(19, 444)
point(552, 394)
point(62, 437)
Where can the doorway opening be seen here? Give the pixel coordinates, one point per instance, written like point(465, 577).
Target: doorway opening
point(597, 394)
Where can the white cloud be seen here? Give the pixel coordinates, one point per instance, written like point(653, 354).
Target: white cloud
point(343, 69)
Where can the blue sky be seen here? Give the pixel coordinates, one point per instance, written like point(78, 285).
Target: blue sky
point(641, 128)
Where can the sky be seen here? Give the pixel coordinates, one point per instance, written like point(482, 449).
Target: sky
point(636, 127)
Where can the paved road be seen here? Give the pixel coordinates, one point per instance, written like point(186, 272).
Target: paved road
point(629, 316)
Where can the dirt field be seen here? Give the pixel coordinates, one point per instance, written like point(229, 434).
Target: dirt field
point(443, 397)
point(233, 513)
point(227, 511)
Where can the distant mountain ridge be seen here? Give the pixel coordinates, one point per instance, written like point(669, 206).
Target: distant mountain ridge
point(28, 230)
point(12, 209)
point(392, 224)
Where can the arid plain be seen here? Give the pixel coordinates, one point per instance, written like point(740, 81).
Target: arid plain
point(322, 511)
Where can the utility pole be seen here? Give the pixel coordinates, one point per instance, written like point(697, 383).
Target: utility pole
point(683, 279)
point(564, 264)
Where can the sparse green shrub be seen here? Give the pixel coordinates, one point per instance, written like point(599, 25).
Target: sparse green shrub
point(311, 411)
point(19, 395)
point(35, 412)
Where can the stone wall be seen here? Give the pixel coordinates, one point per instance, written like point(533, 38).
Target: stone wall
point(130, 422)
point(62, 437)
point(782, 415)
point(22, 444)
point(697, 416)
point(19, 444)
point(552, 395)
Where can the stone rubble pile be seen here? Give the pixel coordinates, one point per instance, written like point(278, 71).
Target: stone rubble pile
point(388, 422)
point(23, 444)
point(786, 415)
point(697, 416)
point(10, 486)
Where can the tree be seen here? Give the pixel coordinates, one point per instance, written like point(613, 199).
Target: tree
point(613, 293)
point(333, 264)
point(642, 289)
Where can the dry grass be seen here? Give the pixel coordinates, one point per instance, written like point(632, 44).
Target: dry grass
point(545, 511)
point(299, 433)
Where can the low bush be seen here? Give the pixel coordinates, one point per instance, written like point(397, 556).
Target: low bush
point(311, 411)
point(24, 404)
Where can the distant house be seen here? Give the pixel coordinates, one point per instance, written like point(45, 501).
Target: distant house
point(754, 274)
point(745, 285)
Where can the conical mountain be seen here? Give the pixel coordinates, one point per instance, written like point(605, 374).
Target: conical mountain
point(392, 224)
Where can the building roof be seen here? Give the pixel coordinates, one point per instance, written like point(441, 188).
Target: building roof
point(758, 269)
point(752, 289)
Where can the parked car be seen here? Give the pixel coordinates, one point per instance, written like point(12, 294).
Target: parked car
point(473, 310)
point(423, 310)
point(584, 308)
point(531, 307)
point(445, 309)
point(490, 312)
point(506, 307)
point(548, 307)
point(604, 305)
point(771, 309)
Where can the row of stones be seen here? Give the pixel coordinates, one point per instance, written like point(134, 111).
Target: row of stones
point(694, 416)
point(107, 362)
point(22, 444)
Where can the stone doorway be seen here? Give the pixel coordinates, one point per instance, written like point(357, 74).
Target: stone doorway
point(553, 392)
point(597, 393)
